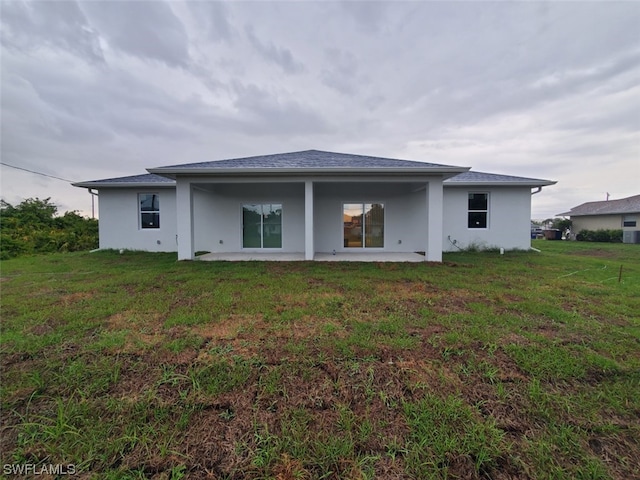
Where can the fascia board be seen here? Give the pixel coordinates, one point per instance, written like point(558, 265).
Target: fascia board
point(124, 185)
point(499, 184)
point(174, 172)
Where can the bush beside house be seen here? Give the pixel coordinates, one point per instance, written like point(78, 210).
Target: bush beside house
point(604, 236)
point(33, 226)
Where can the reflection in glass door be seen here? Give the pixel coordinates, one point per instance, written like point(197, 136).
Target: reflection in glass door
point(262, 226)
point(363, 225)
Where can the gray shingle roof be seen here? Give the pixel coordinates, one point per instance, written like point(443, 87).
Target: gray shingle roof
point(474, 178)
point(146, 179)
point(312, 160)
point(307, 159)
point(609, 207)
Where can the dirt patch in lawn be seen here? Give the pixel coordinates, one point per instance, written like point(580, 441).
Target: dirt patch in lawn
point(283, 410)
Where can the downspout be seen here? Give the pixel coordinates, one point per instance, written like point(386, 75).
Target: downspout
point(93, 207)
point(532, 194)
point(93, 212)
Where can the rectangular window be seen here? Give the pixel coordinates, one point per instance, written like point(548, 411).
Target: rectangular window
point(262, 225)
point(149, 210)
point(363, 225)
point(478, 210)
point(629, 221)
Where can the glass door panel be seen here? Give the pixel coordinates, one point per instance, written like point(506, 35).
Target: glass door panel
point(272, 226)
point(374, 225)
point(251, 226)
point(352, 225)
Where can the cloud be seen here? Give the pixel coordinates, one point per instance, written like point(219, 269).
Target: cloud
point(342, 73)
point(59, 25)
point(213, 19)
point(148, 30)
point(263, 112)
point(369, 17)
point(277, 55)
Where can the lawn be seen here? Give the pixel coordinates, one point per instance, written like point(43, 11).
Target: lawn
point(523, 365)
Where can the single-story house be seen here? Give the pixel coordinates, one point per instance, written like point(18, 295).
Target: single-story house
point(622, 214)
point(313, 203)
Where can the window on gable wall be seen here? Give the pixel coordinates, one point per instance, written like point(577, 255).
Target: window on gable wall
point(478, 210)
point(149, 210)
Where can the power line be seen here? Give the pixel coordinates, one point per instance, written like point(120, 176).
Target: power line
point(37, 173)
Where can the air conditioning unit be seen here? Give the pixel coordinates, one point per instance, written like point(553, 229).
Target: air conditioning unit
point(631, 236)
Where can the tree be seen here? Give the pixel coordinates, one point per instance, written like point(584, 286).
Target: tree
point(33, 227)
point(557, 223)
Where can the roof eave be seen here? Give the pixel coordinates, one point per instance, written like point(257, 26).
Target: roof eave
point(124, 184)
point(500, 184)
point(173, 172)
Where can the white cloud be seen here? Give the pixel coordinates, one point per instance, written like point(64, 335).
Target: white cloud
point(148, 30)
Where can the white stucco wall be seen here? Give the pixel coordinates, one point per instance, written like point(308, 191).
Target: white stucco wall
point(119, 223)
point(218, 214)
point(405, 214)
point(508, 225)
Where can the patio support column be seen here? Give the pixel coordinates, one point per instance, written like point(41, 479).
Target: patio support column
point(308, 220)
point(184, 213)
point(435, 207)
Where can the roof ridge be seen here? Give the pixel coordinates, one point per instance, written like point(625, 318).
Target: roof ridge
point(306, 159)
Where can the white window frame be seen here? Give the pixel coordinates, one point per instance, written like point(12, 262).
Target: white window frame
point(140, 212)
point(486, 212)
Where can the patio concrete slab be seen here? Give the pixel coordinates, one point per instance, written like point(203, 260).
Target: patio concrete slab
point(319, 257)
point(250, 257)
point(369, 257)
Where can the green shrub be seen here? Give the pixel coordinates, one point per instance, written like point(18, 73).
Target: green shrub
point(604, 236)
point(33, 227)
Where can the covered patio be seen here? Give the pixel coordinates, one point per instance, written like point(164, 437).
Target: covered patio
point(323, 219)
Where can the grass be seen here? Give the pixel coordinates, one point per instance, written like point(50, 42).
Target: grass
point(523, 365)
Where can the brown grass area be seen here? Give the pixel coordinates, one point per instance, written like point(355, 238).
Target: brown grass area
point(253, 375)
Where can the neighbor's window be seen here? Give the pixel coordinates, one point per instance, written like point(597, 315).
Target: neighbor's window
point(629, 221)
point(262, 225)
point(363, 225)
point(478, 210)
point(149, 210)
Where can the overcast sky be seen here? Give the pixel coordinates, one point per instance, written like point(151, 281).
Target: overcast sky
point(100, 89)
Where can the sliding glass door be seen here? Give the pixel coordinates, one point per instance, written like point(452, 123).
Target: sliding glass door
point(262, 225)
point(363, 225)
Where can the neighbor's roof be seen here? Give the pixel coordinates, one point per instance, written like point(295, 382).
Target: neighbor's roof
point(608, 207)
point(307, 161)
point(481, 178)
point(144, 180)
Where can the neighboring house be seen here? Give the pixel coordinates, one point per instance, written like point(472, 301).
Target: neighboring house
point(622, 214)
point(314, 202)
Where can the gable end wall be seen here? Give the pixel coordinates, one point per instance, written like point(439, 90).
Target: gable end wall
point(119, 222)
point(509, 222)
